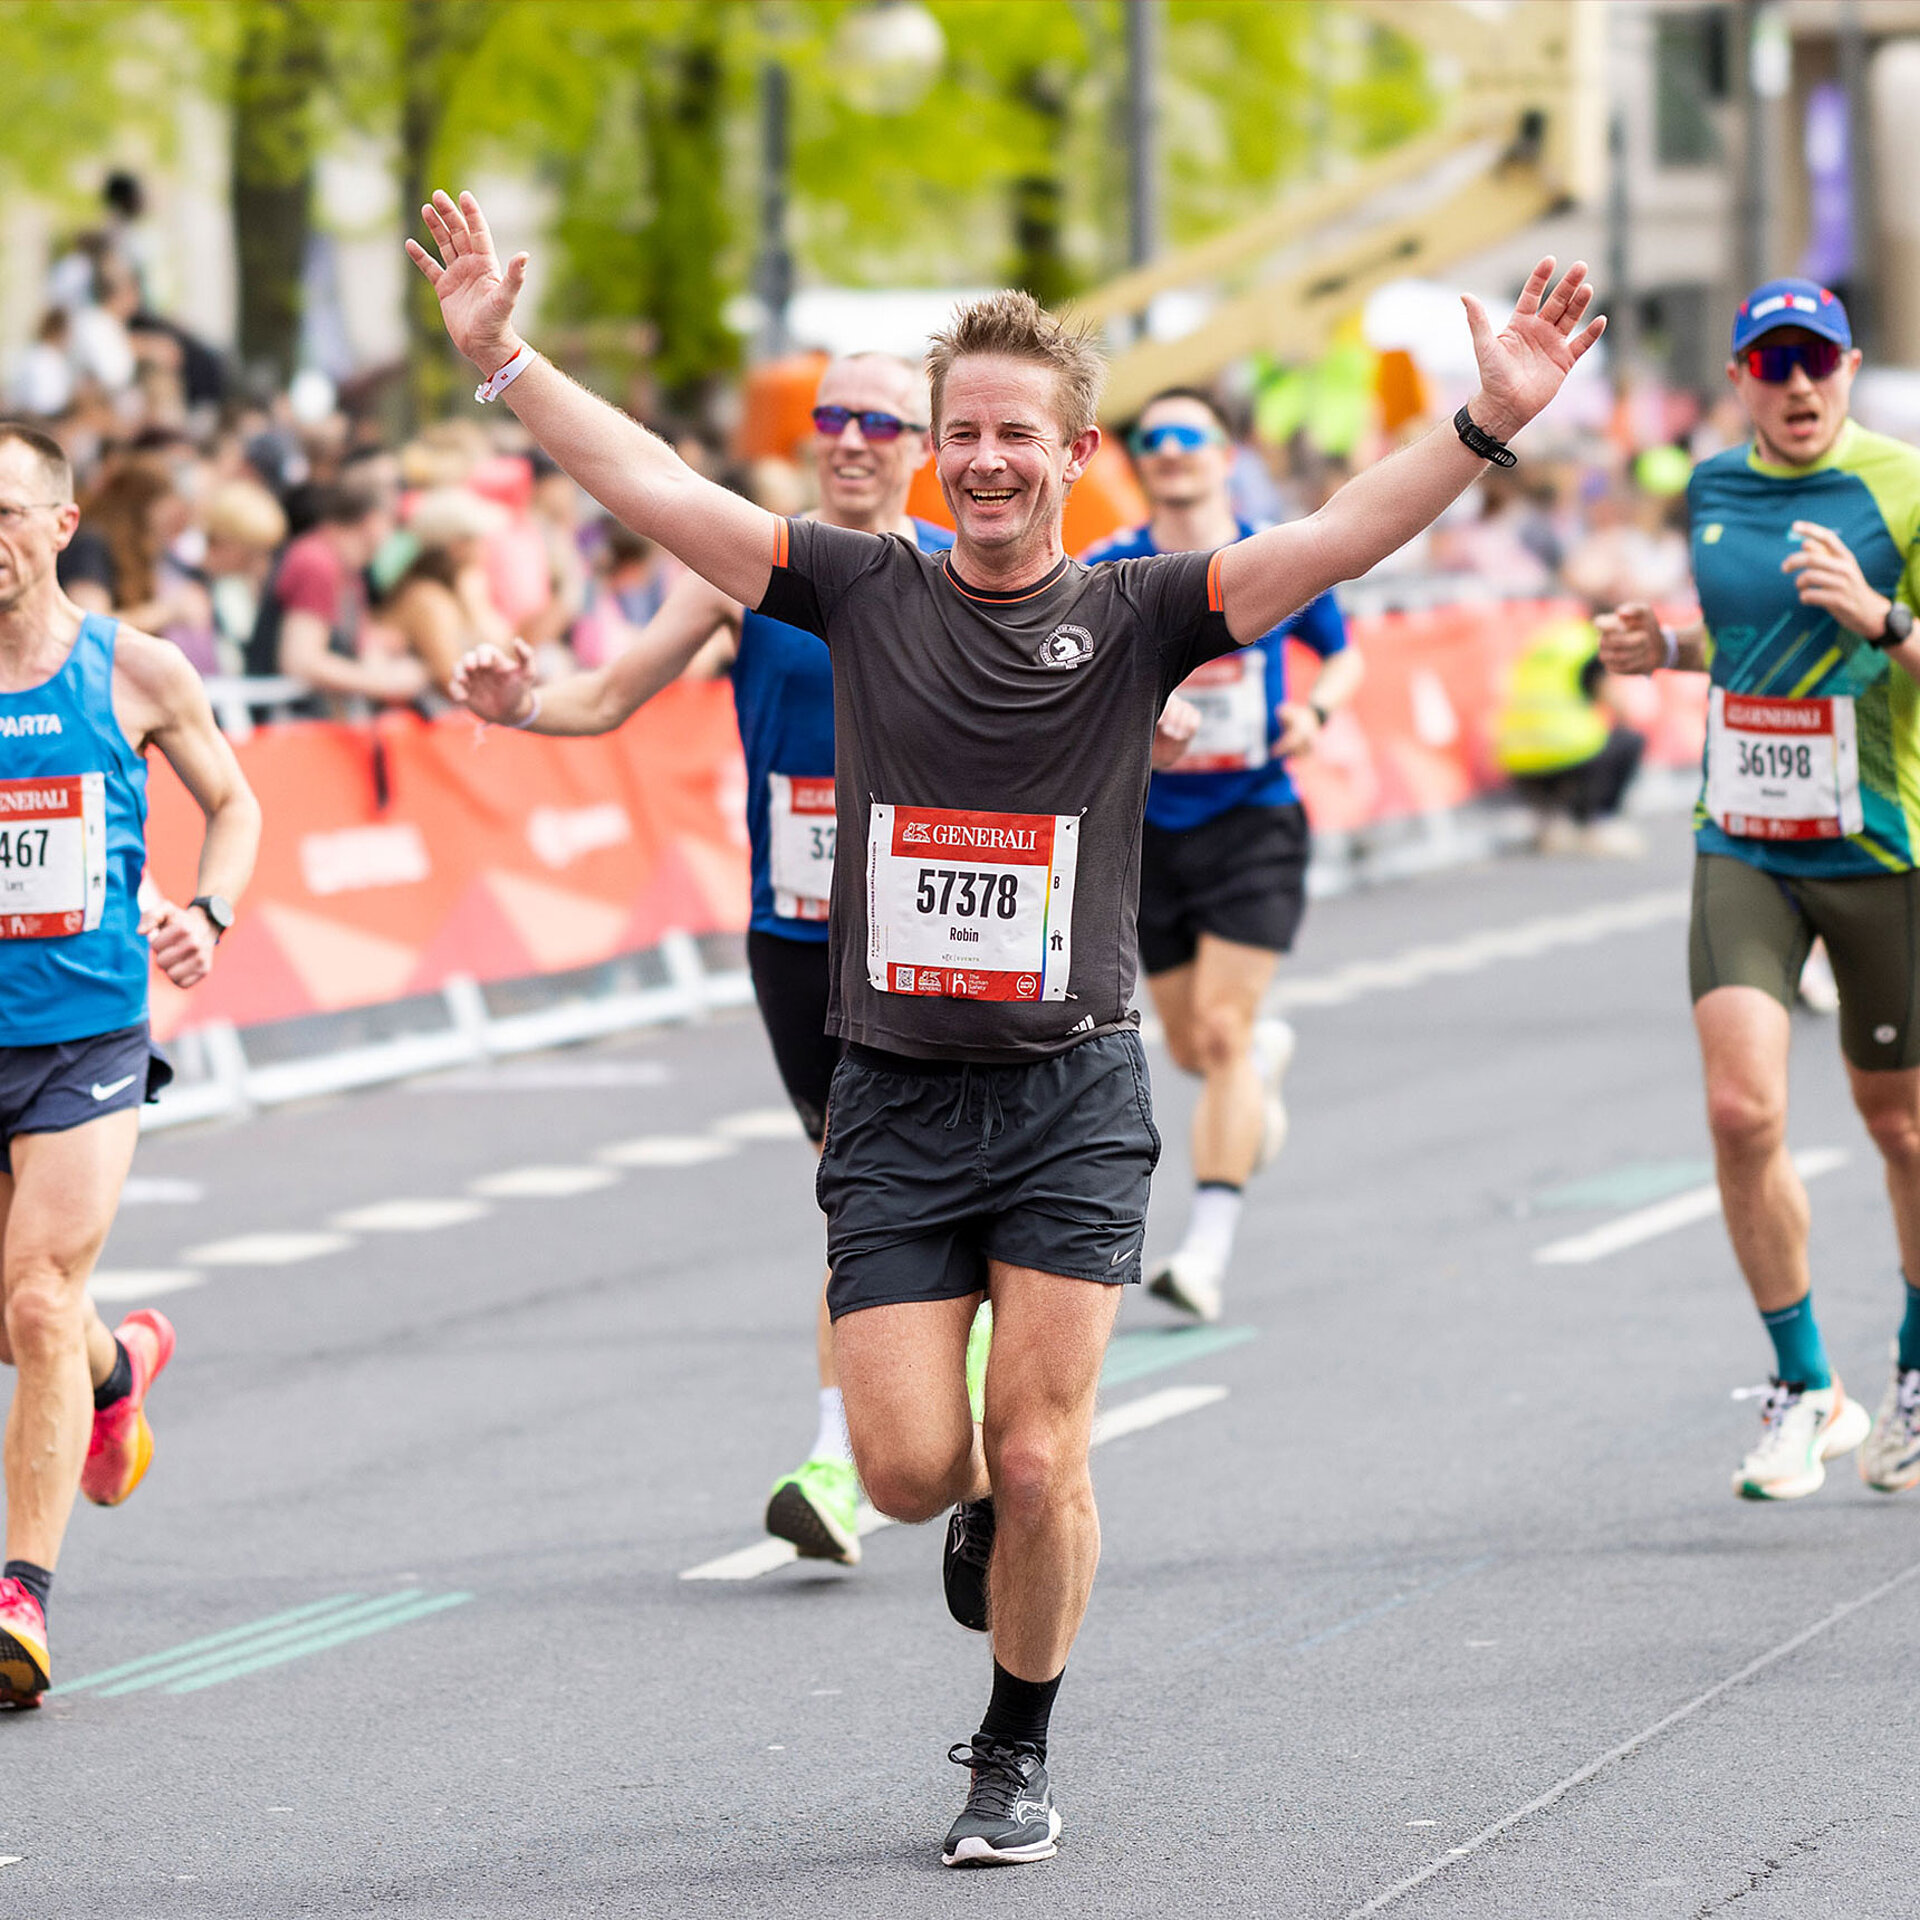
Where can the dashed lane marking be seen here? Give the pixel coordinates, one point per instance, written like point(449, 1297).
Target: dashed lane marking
point(1667, 1216)
point(1630, 1746)
point(541, 1183)
point(666, 1150)
point(761, 1123)
point(141, 1191)
point(1525, 940)
point(267, 1249)
point(110, 1284)
point(410, 1216)
point(1112, 1423)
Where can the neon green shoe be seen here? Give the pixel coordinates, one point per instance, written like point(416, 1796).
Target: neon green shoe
point(979, 1341)
point(816, 1507)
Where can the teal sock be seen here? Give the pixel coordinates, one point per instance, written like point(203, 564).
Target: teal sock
point(1799, 1352)
point(1910, 1328)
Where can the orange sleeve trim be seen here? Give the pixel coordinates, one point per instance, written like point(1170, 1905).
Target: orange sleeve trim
point(779, 543)
point(1216, 599)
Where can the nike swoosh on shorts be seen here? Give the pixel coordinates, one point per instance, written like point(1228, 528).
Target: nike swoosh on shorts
point(107, 1092)
point(1121, 1255)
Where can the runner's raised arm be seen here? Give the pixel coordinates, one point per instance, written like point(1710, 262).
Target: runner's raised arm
point(634, 474)
point(1521, 368)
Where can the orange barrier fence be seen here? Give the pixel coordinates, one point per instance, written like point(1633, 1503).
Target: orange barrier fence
point(399, 854)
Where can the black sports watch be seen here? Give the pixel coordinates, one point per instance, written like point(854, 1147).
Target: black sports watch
point(1476, 439)
point(1899, 628)
point(218, 909)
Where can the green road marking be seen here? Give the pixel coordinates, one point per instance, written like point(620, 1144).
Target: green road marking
point(1638, 1184)
point(1131, 1356)
point(328, 1636)
point(211, 1640)
point(281, 1637)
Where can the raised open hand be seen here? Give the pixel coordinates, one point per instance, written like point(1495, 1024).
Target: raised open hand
point(476, 296)
point(1522, 366)
point(497, 683)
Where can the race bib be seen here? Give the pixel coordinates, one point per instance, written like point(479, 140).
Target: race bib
point(800, 851)
point(53, 856)
point(1782, 769)
point(970, 906)
point(1231, 693)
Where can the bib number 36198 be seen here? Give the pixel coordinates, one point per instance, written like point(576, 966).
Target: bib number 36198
point(970, 906)
point(1782, 769)
point(53, 856)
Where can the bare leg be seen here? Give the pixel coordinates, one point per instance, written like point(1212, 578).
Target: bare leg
point(1744, 1036)
point(1890, 1105)
point(1229, 980)
point(66, 1187)
point(1049, 1336)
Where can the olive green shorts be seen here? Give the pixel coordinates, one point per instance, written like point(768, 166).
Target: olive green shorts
point(1753, 929)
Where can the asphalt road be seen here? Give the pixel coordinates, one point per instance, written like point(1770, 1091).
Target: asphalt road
point(1458, 1529)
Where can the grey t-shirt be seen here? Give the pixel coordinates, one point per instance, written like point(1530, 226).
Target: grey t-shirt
point(990, 771)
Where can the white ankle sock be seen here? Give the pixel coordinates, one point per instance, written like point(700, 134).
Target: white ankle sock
point(1212, 1223)
point(831, 1443)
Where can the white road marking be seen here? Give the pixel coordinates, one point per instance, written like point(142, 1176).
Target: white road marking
point(141, 1283)
point(761, 1123)
point(1667, 1216)
point(410, 1216)
point(546, 1076)
point(143, 1192)
point(11, 1859)
point(1131, 1416)
point(267, 1249)
point(1628, 1747)
point(666, 1150)
point(541, 1183)
point(1523, 941)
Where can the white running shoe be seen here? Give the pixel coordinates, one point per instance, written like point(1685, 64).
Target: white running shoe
point(1819, 991)
point(1189, 1280)
point(1890, 1457)
point(1273, 1044)
point(1801, 1429)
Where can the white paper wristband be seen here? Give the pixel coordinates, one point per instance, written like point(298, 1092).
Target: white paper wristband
point(533, 713)
point(505, 377)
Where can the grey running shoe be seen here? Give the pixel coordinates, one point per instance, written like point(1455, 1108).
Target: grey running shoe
point(1890, 1456)
point(963, 1566)
point(1009, 1816)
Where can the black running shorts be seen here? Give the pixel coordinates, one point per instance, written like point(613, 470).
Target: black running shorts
point(790, 985)
point(934, 1167)
point(52, 1088)
point(1753, 929)
point(1241, 876)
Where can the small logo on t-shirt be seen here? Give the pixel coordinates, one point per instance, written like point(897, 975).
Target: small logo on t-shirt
point(1065, 647)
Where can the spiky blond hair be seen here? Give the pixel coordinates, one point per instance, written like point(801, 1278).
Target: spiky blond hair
point(1014, 326)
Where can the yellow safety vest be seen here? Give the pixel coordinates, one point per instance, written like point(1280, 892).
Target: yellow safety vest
point(1546, 723)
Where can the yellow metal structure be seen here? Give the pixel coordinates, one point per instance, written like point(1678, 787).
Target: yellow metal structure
point(1522, 132)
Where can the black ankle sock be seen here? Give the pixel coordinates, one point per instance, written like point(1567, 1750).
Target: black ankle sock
point(1017, 1714)
point(38, 1581)
point(1216, 1186)
point(118, 1384)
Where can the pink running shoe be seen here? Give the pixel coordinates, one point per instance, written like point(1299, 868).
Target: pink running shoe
point(25, 1673)
point(121, 1448)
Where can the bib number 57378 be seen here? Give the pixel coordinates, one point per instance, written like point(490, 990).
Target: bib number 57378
point(968, 905)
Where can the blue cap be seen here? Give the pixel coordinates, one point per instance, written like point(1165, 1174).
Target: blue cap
point(1791, 303)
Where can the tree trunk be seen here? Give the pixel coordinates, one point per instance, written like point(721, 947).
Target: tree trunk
point(1039, 198)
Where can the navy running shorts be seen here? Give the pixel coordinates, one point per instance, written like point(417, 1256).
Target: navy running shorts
point(49, 1089)
point(1241, 876)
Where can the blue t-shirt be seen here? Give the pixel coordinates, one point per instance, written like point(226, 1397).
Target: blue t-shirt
point(73, 814)
point(783, 699)
point(1239, 697)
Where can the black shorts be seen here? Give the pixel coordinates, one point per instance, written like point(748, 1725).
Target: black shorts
point(790, 984)
point(934, 1167)
point(69, 1082)
point(1241, 876)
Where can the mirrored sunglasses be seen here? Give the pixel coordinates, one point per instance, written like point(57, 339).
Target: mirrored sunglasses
point(1178, 436)
point(832, 421)
point(1775, 364)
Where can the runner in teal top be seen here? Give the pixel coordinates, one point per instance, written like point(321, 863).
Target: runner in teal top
point(1806, 552)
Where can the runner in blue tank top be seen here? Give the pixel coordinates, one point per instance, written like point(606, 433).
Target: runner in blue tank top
point(870, 439)
point(1223, 859)
point(81, 700)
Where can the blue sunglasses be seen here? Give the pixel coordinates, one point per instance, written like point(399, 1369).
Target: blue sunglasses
point(1177, 435)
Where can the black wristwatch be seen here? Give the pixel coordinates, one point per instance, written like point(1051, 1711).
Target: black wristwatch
point(1899, 628)
point(1476, 439)
point(218, 909)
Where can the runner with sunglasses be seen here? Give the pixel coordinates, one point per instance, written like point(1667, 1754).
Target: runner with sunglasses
point(991, 1125)
point(1806, 555)
point(870, 438)
point(1223, 859)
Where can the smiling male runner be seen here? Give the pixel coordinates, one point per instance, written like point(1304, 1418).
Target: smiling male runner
point(990, 1129)
point(870, 438)
point(1806, 555)
point(82, 698)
